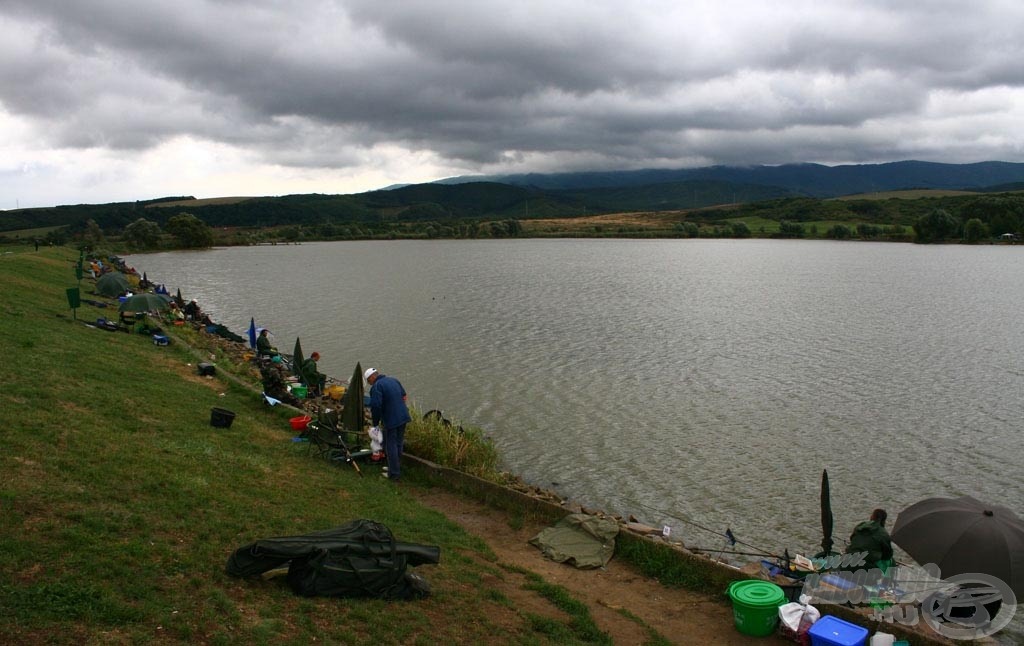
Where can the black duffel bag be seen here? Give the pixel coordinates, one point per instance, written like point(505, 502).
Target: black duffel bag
point(358, 559)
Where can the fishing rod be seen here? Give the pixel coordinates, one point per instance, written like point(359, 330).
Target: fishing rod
point(727, 535)
point(707, 551)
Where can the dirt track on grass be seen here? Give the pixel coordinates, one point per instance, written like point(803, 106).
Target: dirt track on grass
point(613, 594)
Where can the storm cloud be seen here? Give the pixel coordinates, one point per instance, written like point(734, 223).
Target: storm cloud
point(104, 100)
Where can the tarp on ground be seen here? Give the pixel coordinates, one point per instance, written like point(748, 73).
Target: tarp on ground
point(580, 540)
point(223, 332)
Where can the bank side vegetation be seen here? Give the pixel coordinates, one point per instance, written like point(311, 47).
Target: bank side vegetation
point(484, 210)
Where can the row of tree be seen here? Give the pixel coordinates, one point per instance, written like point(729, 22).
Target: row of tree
point(975, 220)
point(186, 230)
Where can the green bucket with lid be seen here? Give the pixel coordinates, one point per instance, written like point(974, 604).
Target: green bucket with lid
point(755, 606)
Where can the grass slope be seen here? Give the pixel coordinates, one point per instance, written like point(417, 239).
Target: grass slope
point(120, 504)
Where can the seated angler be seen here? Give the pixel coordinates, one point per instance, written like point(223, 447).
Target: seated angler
point(263, 347)
point(274, 383)
point(311, 375)
point(870, 541)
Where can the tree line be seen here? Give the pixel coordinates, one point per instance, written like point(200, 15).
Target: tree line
point(972, 219)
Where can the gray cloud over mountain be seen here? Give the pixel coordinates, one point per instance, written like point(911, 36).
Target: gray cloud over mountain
point(123, 98)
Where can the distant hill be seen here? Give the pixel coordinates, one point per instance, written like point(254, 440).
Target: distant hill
point(670, 196)
point(812, 180)
point(537, 196)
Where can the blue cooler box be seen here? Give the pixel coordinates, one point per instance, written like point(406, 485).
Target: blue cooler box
point(833, 631)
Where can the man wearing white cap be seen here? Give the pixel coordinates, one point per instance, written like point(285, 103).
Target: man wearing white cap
point(388, 410)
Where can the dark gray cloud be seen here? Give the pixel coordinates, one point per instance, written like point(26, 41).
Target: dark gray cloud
point(353, 94)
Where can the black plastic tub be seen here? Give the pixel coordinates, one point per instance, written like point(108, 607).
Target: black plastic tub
point(221, 417)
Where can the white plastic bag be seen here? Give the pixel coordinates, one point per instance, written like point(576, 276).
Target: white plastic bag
point(376, 439)
point(798, 617)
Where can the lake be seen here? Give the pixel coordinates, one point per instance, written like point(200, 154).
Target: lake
point(699, 384)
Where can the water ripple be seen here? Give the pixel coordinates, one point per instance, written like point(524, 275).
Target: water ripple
point(685, 382)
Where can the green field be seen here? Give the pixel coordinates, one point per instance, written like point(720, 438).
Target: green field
point(199, 202)
point(912, 194)
point(29, 234)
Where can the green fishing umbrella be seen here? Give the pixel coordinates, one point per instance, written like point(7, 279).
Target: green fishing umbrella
point(144, 303)
point(112, 284)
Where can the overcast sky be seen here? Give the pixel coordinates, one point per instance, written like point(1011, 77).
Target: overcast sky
point(114, 100)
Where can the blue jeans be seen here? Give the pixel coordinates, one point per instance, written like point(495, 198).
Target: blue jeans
point(394, 444)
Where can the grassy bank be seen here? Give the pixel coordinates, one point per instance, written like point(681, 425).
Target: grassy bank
point(120, 504)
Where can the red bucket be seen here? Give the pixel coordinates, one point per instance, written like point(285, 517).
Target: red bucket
point(300, 423)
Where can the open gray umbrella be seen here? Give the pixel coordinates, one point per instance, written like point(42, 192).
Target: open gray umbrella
point(964, 536)
point(144, 303)
point(112, 283)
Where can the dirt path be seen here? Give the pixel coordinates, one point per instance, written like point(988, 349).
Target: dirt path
point(611, 593)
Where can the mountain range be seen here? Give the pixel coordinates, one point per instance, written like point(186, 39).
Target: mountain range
point(811, 180)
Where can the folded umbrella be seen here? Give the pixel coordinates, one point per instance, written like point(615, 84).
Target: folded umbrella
point(297, 358)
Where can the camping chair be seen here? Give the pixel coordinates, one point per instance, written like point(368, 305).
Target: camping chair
point(327, 442)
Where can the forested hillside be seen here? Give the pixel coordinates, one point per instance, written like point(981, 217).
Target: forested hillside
point(686, 208)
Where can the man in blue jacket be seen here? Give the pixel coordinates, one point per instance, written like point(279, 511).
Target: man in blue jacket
point(388, 410)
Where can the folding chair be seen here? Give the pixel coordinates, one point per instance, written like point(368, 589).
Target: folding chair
point(326, 441)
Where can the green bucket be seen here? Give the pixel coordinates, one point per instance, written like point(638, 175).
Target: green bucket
point(755, 606)
point(299, 391)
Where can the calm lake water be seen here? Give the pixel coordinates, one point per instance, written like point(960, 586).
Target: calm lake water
point(691, 383)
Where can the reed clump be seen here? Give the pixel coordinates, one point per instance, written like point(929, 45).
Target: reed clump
point(457, 446)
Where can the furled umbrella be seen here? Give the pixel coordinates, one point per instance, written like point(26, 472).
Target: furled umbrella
point(112, 283)
point(352, 417)
point(827, 522)
point(297, 358)
point(964, 536)
point(252, 333)
point(144, 303)
point(178, 299)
